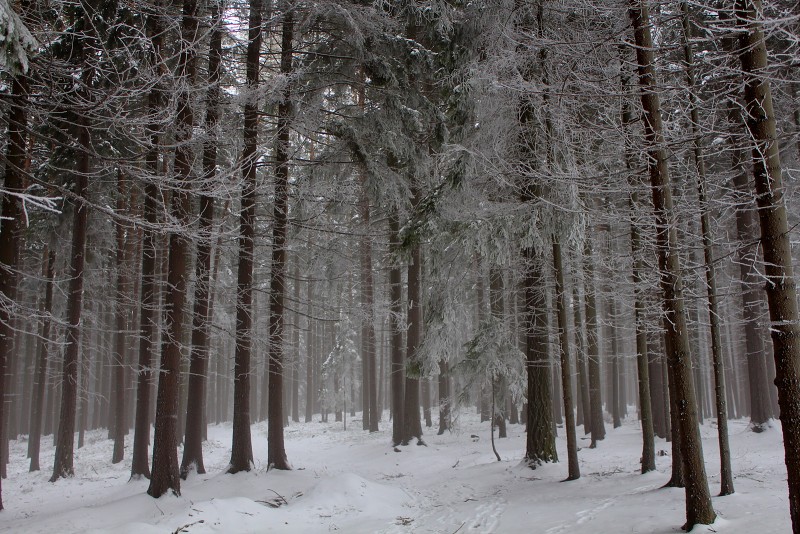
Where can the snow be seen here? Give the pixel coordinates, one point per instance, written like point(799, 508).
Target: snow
point(351, 481)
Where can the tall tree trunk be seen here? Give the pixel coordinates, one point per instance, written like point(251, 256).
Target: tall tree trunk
point(566, 371)
point(309, 349)
point(597, 424)
point(698, 498)
point(580, 353)
point(48, 273)
point(63, 463)
point(11, 226)
point(781, 290)
point(166, 472)
point(642, 360)
point(369, 385)
point(541, 442)
point(201, 315)
point(149, 296)
point(397, 368)
point(242, 447)
point(412, 426)
point(121, 319)
point(726, 476)
point(276, 449)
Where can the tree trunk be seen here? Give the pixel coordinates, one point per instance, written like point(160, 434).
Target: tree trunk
point(541, 442)
point(242, 447)
point(201, 315)
point(166, 472)
point(369, 385)
point(726, 476)
point(597, 425)
point(309, 349)
point(121, 319)
point(11, 226)
point(698, 498)
point(276, 450)
point(397, 369)
point(566, 371)
point(642, 360)
point(412, 426)
point(48, 273)
point(63, 463)
point(781, 291)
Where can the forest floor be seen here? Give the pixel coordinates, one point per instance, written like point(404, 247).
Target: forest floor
point(353, 482)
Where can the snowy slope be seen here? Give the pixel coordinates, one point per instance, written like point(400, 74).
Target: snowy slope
point(353, 482)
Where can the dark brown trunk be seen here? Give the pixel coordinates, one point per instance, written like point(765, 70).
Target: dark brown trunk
point(309, 350)
point(149, 296)
point(397, 368)
point(412, 426)
point(11, 227)
point(642, 360)
point(48, 273)
point(276, 450)
point(166, 472)
point(584, 406)
point(122, 309)
point(726, 475)
point(781, 290)
point(597, 425)
point(369, 385)
point(541, 443)
point(63, 463)
point(698, 498)
point(566, 371)
point(201, 315)
point(242, 447)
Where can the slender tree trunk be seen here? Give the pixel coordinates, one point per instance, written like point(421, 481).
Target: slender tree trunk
point(48, 273)
point(397, 368)
point(642, 360)
point(201, 315)
point(121, 319)
point(149, 296)
point(726, 476)
point(369, 379)
point(276, 449)
point(566, 371)
point(698, 498)
point(11, 228)
point(309, 349)
point(597, 425)
point(781, 290)
point(242, 448)
point(411, 421)
point(63, 463)
point(166, 472)
point(580, 353)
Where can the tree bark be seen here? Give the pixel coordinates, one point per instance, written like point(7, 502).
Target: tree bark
point(201, 315)
point(566, 371)
point(11, 226)
point(781, 290)
point(726, 476)
point(166, 472)
point(242, 447)
point(597, 424)
point(698, 498)
point(541, 443)
point(63, 463)
point(397, 368)
point(48, 273)
point(276, 449)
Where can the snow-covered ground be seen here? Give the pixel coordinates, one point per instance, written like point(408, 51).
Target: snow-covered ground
point(352, 482)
